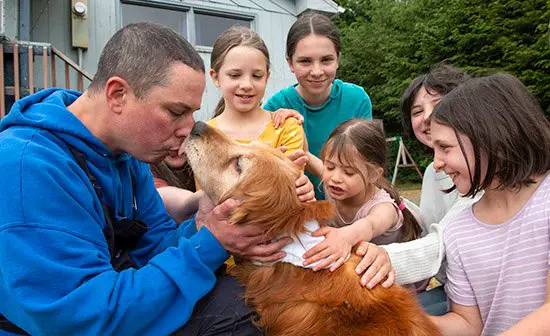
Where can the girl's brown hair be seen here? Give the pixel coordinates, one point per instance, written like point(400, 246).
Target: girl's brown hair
point(182, 178)
point(441, 80)
point(234, 37)
point(367, 138)
point(312, 24)
point(504, 121)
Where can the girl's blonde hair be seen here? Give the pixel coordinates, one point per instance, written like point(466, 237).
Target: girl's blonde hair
point(367, 138)
point(234, 37)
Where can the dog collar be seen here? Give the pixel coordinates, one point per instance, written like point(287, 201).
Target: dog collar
point(299, 246)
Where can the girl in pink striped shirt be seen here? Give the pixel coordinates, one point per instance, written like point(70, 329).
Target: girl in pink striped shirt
point(491, 134)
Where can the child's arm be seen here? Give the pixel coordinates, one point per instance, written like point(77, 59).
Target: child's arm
point(314, 165)
point(460, 321)
point(380, 219)
point(181, 204)
point(339, 241)
point(537, 322)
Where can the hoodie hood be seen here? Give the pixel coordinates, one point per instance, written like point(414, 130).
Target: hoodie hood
point(47, 110)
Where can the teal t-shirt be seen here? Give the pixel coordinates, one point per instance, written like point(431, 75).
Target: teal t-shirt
point(346, 101)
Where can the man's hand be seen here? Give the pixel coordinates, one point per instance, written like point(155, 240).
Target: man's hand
point(240, 240)
point(377, 264)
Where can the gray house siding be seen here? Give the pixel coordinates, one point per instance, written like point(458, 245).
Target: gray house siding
point(50, 22)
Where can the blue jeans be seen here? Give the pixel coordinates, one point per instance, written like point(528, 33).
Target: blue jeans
point(434, 301)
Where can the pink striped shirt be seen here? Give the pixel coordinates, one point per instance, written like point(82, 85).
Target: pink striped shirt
point(500, 268)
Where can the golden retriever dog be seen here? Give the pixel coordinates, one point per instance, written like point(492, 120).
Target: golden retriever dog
point(292, 300)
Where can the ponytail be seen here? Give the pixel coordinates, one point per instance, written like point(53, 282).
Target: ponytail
point(411, 228)
point(219, 108)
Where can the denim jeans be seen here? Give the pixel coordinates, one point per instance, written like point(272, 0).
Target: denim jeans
point(434, 301)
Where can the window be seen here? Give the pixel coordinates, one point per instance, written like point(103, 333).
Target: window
point(174, 19)
point(209, 26)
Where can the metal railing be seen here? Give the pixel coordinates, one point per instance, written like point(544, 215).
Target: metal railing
point(44, 54)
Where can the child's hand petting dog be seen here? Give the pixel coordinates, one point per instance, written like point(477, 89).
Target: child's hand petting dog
point(241, 240)
point(335, 249)
point(298, 157)
point(377, 264)
point(304, 187)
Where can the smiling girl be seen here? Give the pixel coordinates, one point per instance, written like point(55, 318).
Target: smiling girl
point(324, 102)
point(240, 69)
point(368, 207)
point(490, 134)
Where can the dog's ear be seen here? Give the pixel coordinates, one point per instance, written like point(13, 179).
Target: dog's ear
point(269, 199)
point(322, 211)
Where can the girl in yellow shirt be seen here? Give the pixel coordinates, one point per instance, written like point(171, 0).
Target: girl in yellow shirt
point(240, 69)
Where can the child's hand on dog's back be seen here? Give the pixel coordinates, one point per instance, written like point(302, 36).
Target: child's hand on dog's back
point(376, 265)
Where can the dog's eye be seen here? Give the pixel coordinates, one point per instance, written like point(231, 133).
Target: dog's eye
point(238, 165)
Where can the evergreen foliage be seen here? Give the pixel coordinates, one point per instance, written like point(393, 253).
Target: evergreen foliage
point(386, 43)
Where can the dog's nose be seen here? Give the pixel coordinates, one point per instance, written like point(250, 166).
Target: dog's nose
point(198, 128)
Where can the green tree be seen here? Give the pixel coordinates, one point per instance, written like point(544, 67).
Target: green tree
point(386, 43)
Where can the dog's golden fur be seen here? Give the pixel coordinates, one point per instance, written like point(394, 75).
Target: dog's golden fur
point(291, 300)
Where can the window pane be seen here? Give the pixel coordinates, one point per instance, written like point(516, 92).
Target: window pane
point(176, 20)
point(209, 27)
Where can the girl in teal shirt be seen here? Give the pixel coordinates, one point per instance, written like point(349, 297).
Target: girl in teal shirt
point(323, 102)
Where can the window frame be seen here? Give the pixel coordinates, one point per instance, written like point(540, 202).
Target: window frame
point(190, 10)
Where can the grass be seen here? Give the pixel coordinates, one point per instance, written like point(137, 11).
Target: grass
point(409, 186)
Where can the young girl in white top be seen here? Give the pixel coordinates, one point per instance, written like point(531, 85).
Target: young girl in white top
point(491, 134)
point(368, 208)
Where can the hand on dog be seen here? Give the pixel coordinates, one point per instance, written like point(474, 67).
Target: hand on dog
point(240, 240)
point(377, 264)
point(298, 157)
point(333, 250)
point(304, 187)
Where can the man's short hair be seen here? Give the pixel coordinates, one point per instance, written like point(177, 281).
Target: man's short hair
point(141, 54)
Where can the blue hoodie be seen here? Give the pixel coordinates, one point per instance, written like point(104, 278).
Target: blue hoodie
point(55, 271)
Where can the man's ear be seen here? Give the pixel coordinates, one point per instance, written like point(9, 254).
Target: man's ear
point(117, 93)
point(289, 61)
point(214, 76)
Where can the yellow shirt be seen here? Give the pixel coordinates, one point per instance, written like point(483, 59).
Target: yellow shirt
point(290, 135)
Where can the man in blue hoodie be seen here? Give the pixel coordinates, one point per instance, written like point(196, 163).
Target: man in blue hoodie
point(86, 246)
